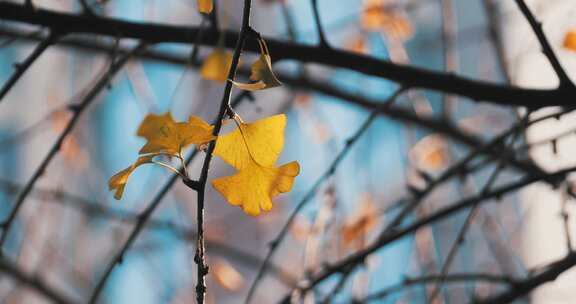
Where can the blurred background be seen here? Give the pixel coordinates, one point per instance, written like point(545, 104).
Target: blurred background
point(70, 228)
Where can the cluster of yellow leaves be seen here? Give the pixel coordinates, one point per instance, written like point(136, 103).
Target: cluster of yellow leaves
point(570, 40)
point(164, 137)
point(217, 65)
point(252, 149)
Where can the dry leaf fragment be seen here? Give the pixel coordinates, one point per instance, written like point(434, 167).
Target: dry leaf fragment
point(430, 153)
point(227, 276)
point(217, 65)
point(261, 72)
point(118, 181)
point(359, 224)
point(205, 6)
point(380, 16)
point(570, 40)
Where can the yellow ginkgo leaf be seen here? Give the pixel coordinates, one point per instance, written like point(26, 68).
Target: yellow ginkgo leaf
point(216, 65)
point(166, 136)
point(260, 141)
point(254, 186)
point(118, 181)
point(205, 6)
point(570, 40)
point(261, 72)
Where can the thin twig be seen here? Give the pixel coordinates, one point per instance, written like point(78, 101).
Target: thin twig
point(33, 282)
point(77, 110)
point(21, 68)
point(546, 47)
point(452, 278)
point(471, 215)
point(524, 287)
point(275, 243)
point(319, 29)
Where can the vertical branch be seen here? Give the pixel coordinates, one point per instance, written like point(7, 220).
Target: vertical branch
point(20, 68)
point(546, 47)
point(85, 7)
point(495, 38)
point(78, 110)
point(199, 257)
point(144, 217)
point(319, 28)
point(449, 25)
point(566, 220)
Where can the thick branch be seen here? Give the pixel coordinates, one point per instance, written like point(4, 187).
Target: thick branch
point(405, 75)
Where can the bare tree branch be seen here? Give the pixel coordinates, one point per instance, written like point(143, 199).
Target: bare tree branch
point(33, 282)
point(77, 110)
point(407, 76)
point(20, 68)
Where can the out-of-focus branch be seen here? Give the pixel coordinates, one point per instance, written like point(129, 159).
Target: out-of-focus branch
point(430, 279)
point(97, 209)
point(546, 47)
point(407, 76)
point(495, 37)
point(450, 51)
point(523, 287)
point(397, 113)
point(20, 68)
point(77, 111)
point(32, 282)
point(390, 236)
point(318, 22)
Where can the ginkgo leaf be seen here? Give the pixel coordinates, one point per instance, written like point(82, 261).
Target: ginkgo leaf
point(118, 181)
point(217, 65)
point(261, 72)
point(261, 141)
point(570, 40)
point(205, 6)
point(254, 186)
point(166, 136)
